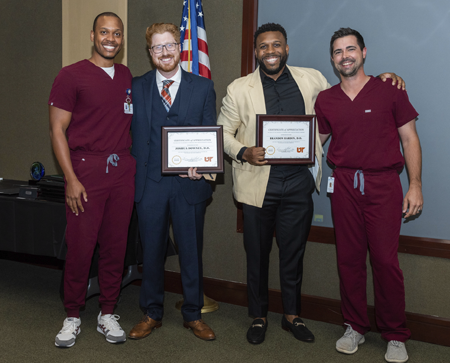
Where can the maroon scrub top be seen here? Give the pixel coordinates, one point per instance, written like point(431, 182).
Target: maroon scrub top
point(364, 131)
point(99, 123)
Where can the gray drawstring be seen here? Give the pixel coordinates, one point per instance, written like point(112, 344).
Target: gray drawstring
point(112, 159)
point(361, 181)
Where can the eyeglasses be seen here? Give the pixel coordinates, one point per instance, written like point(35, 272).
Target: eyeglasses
point(159, 48)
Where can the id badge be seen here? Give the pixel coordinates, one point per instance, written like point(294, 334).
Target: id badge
point(330, 185)
point(128, 108)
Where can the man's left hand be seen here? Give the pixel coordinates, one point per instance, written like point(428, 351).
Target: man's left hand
point(192, 174)
point(413, 202)
point(395, 80)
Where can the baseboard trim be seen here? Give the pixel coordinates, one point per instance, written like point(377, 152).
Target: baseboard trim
point(425, 328)
point(421, 246)
point(407, 244)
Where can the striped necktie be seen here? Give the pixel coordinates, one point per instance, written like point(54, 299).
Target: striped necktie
point(165, 94)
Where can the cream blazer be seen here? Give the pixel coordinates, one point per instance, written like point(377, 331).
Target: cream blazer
point(244, 100)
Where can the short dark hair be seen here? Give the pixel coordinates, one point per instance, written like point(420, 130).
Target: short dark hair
point(343, 32)
point(269, 27)
point(106, 13)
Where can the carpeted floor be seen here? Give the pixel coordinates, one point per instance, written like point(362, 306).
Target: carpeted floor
point(31, 314)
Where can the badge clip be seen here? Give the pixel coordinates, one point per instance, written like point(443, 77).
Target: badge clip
point(330, 184)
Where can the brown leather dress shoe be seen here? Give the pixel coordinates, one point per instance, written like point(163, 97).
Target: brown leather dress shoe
point(144, 328)
point(201, 329)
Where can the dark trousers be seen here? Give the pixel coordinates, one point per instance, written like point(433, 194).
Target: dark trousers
point(370, 222)
point(105, 220)
point(164, 201)
point(288, 209)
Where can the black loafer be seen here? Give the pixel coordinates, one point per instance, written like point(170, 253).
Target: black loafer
point(257, 332)
point(298, 328)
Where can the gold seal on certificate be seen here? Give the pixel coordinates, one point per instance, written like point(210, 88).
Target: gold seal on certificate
point(185, 147)
point(288, 139)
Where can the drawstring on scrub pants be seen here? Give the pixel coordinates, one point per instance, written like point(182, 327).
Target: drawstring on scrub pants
point(113, 159)
point(361, 181)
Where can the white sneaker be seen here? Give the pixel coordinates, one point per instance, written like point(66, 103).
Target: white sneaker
point(110, 328)
point(67, 335)
point(396, 352)
point(349, 342)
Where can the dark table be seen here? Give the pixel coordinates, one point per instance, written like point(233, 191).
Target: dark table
point(37, 227)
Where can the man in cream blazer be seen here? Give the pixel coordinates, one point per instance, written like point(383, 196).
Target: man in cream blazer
point(275, 198)
point(244, 100)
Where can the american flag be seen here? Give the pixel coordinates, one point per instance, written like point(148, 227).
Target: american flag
point(194, 46)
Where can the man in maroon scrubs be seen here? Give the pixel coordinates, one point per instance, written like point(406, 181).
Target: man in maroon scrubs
point(366, 118)
point(90, 116)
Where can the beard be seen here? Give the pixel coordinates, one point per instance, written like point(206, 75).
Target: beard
point(168, 67)
point(283, 61)
point(349, 72)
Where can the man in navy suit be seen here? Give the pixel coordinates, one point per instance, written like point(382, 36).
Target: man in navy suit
point(169, 96)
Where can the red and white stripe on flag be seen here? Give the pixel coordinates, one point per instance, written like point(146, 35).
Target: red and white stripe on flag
point(194, 44)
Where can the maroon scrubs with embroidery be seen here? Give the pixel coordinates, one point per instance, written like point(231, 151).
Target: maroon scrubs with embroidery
point(367, 199)
point(99, 141)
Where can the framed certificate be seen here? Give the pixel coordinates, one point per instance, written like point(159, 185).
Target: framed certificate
point(185, 147)
point(288, 139)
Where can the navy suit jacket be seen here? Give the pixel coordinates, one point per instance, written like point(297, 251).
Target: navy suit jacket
point(197, 107)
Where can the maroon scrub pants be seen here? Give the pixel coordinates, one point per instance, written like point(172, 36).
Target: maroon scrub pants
point(105, 220)
point(370, 221)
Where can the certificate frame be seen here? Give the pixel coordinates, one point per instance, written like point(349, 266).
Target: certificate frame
point(170, 130)
point(261, 120)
